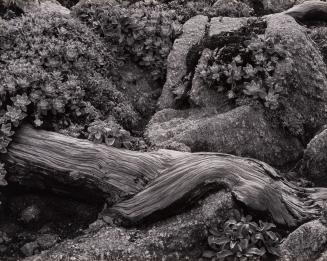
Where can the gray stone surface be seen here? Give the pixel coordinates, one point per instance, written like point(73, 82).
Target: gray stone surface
point(222, 25)
point(45, 6)
point(180, 237)
point(276, 6)
point(46, 241)
point(243, 131)
point(305, 98)
point(29, 248)
point(305, 243)
point(53, 6)
point(314, 163)
point(184, 50)
point(232, 8)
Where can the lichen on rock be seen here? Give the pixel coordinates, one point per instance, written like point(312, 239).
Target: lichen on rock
point(182, 237)
point(305, 243)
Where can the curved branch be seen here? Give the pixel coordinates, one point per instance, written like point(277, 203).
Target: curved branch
point(50, 160)
point(191, 176)
point(157, 183)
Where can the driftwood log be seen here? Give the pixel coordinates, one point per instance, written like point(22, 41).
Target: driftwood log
point(48, 160)
point(146, 185)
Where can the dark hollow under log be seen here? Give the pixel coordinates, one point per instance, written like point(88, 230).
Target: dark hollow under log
point(155, 182)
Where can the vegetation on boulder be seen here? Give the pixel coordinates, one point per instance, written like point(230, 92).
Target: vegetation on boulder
point(245, 72)
point(242, 239)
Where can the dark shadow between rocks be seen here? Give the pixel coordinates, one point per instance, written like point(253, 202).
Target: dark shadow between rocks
point(32, 221)
point(9, 12)
point(68, 3)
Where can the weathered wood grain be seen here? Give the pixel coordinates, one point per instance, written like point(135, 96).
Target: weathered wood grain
point(155, 184)
point(252, 182)
point(47, 159)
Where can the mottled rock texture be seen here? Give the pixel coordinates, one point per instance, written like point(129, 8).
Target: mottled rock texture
point(246, 131)
point(182, 237)
point(181, 59)
point(314, 166)
point(197, 33)
point(305, 243)
point(243, 131)
point(276, 6)
point(305, 103)
point(223, 26)
point(232, 8)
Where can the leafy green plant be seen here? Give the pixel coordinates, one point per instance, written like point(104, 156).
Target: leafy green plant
point(55, 73)
point(108, 132)
point(143, 31)
point(38, 76)
point(103, 94)
point(242, 239)
point(112, 134)
point(247, 71)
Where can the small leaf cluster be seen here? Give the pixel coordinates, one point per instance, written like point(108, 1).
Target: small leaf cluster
point(144, 31)
point(247, 71)
point(242, 239)
point(112, 134)
point(73, 130)
point(108, 132)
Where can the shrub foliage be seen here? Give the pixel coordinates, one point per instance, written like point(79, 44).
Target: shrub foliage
point(143, 31)
point(247, 72)
point(56, 72)
point(242, 239)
